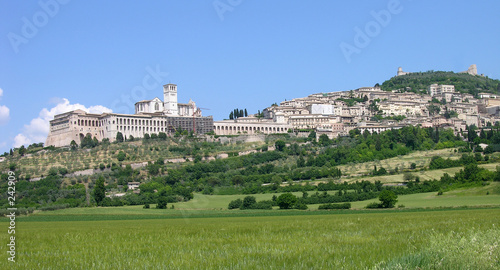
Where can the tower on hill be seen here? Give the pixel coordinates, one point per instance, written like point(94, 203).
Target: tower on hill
point(472, 70)
point(170, 99)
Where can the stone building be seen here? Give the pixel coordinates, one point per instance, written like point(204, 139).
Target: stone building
point(151, 116)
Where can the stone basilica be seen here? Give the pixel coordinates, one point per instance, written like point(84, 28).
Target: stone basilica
point(151, 116)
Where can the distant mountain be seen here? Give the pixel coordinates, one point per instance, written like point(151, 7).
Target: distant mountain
point(418, 82)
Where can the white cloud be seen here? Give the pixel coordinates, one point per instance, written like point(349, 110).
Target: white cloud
point(4, 112)
point(20, 139)
point(4, 115)
point(38, 128)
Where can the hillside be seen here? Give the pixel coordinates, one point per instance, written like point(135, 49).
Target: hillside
point(283, 163)
point(463, 82)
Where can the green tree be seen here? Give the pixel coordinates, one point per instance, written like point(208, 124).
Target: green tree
point(301, 162)
point(99, 190)
point(312, 136)
point(63, 171)
point(433, 109)
point(324, 140)
point(286, 200)
point(280, 145)
point(53, 171)
point(162, 200)
point(73, 145)
point(373, 107)
point(119, 137)
point(121, 156)
point(87, 141)
point(388, 199)
point(95, 142)
point(248, 202)
point(237, 180)
point(22, 150)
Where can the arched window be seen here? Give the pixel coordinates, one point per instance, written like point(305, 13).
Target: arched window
point(157, 106)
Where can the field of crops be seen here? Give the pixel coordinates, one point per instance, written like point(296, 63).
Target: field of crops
point(288, 240)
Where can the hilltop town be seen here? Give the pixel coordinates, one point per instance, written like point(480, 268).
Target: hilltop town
point(374, 110)
point(371, 109)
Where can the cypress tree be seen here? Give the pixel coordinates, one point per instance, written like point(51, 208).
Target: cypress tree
point(99, 190)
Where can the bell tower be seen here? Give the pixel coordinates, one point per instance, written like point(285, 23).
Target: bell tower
point(170, 99)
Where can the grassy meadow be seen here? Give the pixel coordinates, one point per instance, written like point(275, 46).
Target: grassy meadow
point(203, 234)
point(349, 240)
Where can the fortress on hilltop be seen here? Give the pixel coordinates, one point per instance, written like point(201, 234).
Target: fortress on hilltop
point(472, 70)
point(151, 116)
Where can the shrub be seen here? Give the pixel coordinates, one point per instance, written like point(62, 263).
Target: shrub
point(12, 166)
point(53, 171)
point(407, 176)
point(146, 206)
point(63, 171)
point(121, 156)
point(248, 202)
point(53, 207)
point(373, 205)
point(235, 204)
point(267, 205)
point(300, 206)
point(335, 206)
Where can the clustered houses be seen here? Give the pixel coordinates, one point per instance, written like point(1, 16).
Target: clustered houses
point(332, 114)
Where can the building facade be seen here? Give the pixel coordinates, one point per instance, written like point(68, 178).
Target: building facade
point(151, 116)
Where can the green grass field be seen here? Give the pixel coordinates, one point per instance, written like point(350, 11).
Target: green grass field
point(202, 234)
point(350, 240)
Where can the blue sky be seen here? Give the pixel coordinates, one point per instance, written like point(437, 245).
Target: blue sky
point(58, 55)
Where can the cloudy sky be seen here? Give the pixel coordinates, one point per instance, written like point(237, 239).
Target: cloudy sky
point(60, 55)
